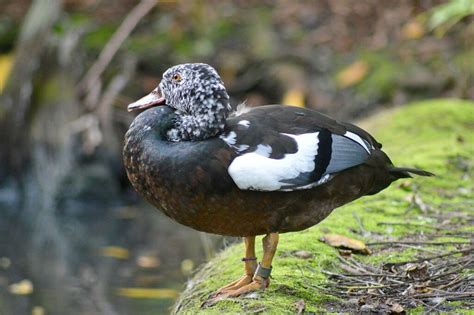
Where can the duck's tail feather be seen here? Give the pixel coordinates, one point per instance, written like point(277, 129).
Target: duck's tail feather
point(405, 172)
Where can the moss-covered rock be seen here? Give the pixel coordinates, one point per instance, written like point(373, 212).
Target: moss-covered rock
point(434, 135)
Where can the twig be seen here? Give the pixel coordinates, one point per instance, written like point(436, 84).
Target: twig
point(419, 243)
point(462, 251)
point(361, 225)
point(417, 247)
point(451, 284)
point(417, 225)
point(447, 295)
point(115, 86)
point(363, 275)
point(441, 275)
point(454, 271)
point(434, 307)
point(129, 23)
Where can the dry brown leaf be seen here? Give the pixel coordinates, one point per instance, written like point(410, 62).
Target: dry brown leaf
point(352, 74)
point(397, 309)
point(340, 241)
point(417, 271)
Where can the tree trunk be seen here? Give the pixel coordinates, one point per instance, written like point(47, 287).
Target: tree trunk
point(16, 117)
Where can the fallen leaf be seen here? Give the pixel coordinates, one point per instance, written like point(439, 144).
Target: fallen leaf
point(24, 287)
point(417, 271)
point(115, 252)
point(303, 254)
point(352, 74)
point(147, 293)
point(340, 241)
point(300, 307)
point(397, 309)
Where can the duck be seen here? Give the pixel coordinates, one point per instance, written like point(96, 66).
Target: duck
point(254, 171)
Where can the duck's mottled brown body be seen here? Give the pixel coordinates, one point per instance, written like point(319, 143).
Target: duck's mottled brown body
point(189, 182)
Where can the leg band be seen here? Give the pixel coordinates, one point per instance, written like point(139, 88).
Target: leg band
point(263, 272)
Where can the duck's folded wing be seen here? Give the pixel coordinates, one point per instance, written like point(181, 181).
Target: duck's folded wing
point(286, 162)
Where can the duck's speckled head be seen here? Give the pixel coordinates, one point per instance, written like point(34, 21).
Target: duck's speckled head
point(197, 93)
point(189, 86)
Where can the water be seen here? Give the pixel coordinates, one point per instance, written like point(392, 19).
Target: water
point(123, 259)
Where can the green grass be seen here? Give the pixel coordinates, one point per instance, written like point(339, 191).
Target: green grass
point(436, 135)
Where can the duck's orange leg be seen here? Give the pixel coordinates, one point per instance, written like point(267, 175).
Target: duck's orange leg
point(261, 278)
point(250, 261)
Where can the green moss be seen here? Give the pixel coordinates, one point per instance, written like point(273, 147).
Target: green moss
point(435, 135)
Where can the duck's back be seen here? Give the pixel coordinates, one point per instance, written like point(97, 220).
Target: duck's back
point(273, 169)
point(284, 148)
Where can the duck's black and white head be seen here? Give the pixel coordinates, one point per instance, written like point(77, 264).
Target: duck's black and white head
point(199, 98)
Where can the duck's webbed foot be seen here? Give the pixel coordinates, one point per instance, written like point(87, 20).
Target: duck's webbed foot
point(256, 277)
point(250, 266)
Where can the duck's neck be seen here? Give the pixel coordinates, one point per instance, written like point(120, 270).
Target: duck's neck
point(205, 121)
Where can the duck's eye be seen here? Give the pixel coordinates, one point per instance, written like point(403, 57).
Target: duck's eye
point(177, 77)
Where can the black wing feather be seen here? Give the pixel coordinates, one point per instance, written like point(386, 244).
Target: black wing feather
point(269, 124)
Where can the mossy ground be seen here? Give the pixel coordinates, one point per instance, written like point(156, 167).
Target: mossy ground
point(435, 135)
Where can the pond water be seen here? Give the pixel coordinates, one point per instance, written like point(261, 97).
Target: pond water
point(116, 260)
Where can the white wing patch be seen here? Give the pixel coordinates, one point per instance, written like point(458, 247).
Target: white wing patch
point(257, 171)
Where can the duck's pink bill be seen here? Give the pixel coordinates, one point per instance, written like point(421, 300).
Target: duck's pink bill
point(153, 99)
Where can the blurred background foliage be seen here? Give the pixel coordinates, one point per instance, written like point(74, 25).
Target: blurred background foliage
point(73, 227)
